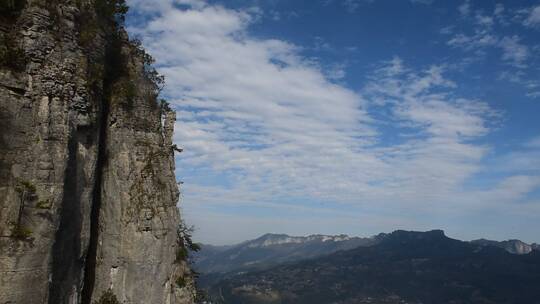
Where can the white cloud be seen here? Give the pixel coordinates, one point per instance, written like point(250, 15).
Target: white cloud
point(479, 40)
point(532, 85)
point(465, 8)
point(352, 5)
point(533, 19)
point(447, 30)
point(336, 72)
point(499, 10)
point(534, 143)
point(514, 52)
point(484, 20)
point(483, 35)
point(264, 127)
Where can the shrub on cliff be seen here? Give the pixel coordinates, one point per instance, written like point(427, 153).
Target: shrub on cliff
point(108, 297)
point(21, 232)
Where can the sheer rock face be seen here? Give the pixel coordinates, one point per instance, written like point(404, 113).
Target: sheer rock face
point(87, 188)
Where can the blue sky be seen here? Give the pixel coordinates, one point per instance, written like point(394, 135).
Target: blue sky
point(352, 116)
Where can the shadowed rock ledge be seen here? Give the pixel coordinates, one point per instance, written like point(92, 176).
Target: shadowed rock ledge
point(87, 188)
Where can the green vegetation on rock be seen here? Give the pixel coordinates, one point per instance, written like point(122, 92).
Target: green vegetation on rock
point(181, 282)
point(185, 243)
point(108, 297)
point(44, 204)
point(20, 232)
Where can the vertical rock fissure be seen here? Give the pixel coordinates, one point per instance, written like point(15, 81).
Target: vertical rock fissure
point(66, 265)
point(91, 257)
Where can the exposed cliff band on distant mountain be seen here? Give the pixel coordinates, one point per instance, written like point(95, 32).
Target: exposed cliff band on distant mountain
point(87, 188)
point(512, 246)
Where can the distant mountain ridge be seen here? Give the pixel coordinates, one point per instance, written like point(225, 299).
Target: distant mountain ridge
point(216, 262)
point(400, 267)
point(284, 247)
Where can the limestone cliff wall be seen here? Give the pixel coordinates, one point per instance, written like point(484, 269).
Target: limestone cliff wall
point(87, 188)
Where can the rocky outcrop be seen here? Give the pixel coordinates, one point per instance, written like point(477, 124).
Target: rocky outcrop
point(87, 188)
point(512, 246)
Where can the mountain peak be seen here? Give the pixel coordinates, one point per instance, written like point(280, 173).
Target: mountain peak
point(414, 238)
point(418, 235)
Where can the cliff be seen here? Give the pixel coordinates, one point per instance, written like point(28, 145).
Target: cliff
point(87, 188)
